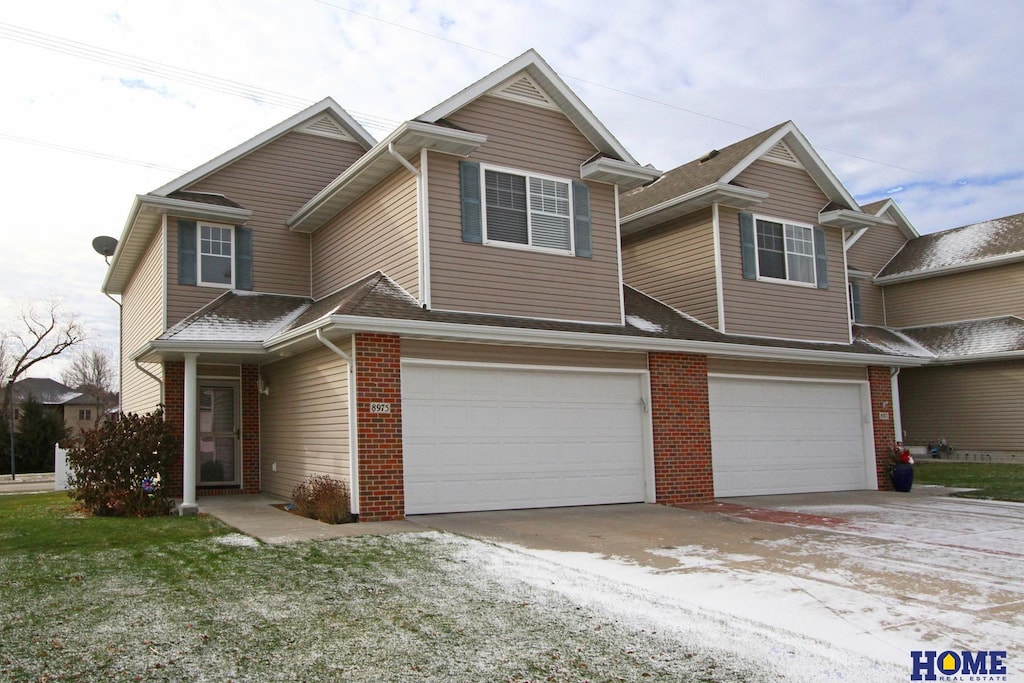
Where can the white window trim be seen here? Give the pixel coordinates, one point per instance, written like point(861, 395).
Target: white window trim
point(529, 214)
point(785, 254)
point(199, 255)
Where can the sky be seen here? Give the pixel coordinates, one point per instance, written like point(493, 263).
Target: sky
point(101, 100)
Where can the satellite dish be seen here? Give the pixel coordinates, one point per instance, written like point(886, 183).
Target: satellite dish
point(104, 246)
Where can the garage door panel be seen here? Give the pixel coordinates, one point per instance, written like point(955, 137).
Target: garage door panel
point(490, 438)
point(772, 436)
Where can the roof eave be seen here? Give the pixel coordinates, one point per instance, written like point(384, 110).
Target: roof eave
point(625, 175)
point(160, 350)
point(716, 193)
point(144, 219)
point(977, 264)
point(376, 164)
point(853, 220)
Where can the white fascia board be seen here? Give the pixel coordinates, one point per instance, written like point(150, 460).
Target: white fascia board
point(272, 133)
point(415, 133)
point(845, 218)
point(572, 106)
point(977, 264)
point(809, 157)
point(198, 210)
point(901, 220)
point(716, 193)
point(169, 347)
point(627, 176)
point(852, 239)
point(978, 358)
point(535, 337)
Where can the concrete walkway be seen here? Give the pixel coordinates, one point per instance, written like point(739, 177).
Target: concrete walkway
point(255, 515)
point(26, 483)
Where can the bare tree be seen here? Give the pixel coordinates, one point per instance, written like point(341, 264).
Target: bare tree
point(42, 331)
point(92, 371)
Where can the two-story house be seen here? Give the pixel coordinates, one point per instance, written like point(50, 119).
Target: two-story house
point(959, 294)
point(440, 318)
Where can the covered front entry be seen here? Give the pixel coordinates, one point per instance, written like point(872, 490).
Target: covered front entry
point(772, 436)
point(488, 437)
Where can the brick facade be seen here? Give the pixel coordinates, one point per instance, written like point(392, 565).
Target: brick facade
point(174, 413)
point(381, 471)
point(681, 419)
point(881, 420)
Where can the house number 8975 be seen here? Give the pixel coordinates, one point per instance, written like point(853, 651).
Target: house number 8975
point(380, 407)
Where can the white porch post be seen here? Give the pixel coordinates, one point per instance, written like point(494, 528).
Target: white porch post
point(188, 504)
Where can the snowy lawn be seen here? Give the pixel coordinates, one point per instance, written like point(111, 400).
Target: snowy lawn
point(178, 599)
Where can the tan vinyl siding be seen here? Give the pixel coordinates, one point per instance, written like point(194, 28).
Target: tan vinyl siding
point(273, 182)
point(675, 264)
point(304, 420)
point(377, 232)
point(975, 406)
point(772, 309)
point(728, 366)
point(960, 296)
point(142, 319)
point(870, 253)
point(491, 279)
point(519, 355)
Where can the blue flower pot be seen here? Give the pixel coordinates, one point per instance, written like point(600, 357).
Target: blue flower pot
point(903, 477)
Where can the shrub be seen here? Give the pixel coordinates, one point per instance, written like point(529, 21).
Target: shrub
point(119, 468)
point(324, 499)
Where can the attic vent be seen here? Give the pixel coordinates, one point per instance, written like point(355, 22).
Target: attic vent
point(524, 89)
point(327, 127)
point(781, 154)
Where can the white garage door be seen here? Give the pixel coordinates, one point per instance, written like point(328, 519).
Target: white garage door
point(773, 436)
point(486, 438)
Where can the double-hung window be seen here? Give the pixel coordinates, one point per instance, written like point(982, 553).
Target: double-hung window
point(216, 244)
point(785, 251)
point(528, 210)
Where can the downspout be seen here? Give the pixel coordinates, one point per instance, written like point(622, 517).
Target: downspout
point(402, 160)
point(897, 418)
point(155, 379)
point(421, 216)
point(353, 433)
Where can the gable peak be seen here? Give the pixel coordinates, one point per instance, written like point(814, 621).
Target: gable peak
point(782, 154)
point(522, 88)
point(326, 126)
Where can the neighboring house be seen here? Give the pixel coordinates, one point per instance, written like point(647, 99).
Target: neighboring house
point(76, 410)
point(441, 318)
point(959, 294)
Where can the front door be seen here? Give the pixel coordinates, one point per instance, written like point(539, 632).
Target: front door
point(219, 434)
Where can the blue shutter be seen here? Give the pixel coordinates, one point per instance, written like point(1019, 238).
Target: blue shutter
point(186, 252)
point(855, 309)
point(472, 219)
point(243, 258)
point(820, 257)
point(581, 219)
point(748, 246)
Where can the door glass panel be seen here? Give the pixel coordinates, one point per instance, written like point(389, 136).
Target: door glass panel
point(217, 442)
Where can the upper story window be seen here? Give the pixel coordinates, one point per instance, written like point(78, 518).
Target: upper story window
point(524, 210)
point(215, 255)
point(777, 250)
point(528, 210)
point(85, 414)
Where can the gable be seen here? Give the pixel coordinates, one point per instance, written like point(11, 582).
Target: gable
point(792, 193)
point(522, 88)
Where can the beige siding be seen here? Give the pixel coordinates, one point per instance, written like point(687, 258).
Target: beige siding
point(960, 296)
point(142, 319)
point(726, 366)
point(676, 265)
point(491, 279)
point(377, 232)
point(273, 182)
point(870, 253)
point(976, 406)
point(519, 355)
point(304, 420)
point(773, 309)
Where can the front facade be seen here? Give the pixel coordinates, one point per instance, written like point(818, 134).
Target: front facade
point(465, 316)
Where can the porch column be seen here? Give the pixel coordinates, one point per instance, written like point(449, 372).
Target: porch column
point(188, 504)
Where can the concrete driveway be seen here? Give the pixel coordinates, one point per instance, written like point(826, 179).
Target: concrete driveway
point(878, 573)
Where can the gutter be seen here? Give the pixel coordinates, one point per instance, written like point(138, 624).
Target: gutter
point(353, 426)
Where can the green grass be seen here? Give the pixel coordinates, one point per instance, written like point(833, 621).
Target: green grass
point(993, 481)
point(167, 599)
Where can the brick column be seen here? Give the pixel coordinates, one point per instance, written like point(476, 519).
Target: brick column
point(250, 429)
point(174, 415)
point(881, 420)
point(681, 419)
point(381, 472)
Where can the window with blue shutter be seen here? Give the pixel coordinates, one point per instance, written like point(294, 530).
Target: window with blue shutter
point(855, 308)
point(243, 258)
point(782, 250)
point(506, 208)
point(186, 252)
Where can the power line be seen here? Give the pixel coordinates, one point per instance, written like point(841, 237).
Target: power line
point(90, 153)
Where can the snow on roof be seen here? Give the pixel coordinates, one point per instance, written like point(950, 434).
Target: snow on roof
point(239, 317)
point(1002, 237)
point(971, 338)
point(888, 341)
point(45, 390)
